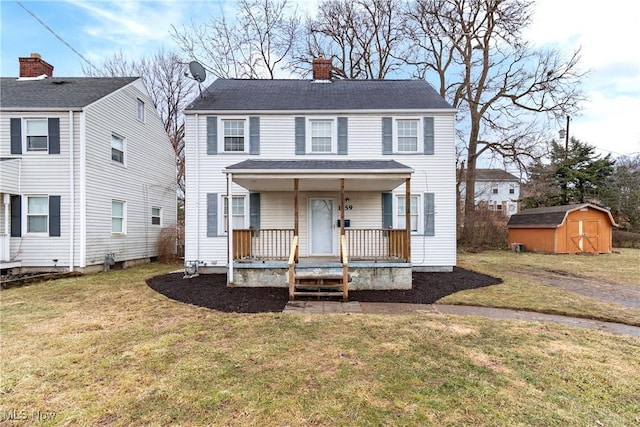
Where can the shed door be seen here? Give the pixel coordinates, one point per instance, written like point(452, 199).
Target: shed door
point(583, 236)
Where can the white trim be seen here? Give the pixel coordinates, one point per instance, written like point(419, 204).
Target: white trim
point(123, 230)
point(334, 134)
point(25, 136)
point(83, 190)
point(222, 225)
point(144, 113)
point(229, 231)
point(159, 216)
point(72, 194)
point(420, 130)
point(25, 209)
point(221, 120)
point(125, 154)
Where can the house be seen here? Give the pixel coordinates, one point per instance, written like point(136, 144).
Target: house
point(496, 190)
point(332, 182)
point(87, 171)
point(581, 228)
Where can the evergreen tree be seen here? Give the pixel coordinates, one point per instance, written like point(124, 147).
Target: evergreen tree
point(622, 193)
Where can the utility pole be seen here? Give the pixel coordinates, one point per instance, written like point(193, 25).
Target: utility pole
point(566, 140)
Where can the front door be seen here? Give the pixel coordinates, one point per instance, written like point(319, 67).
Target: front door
point(321, 226)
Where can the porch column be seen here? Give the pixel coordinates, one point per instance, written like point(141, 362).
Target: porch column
point(407, 220)
point(296, 211)
point(229, 229)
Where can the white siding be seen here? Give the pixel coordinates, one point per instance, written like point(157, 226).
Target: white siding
point(47, 174)
point(147, 179)
point(433, 173)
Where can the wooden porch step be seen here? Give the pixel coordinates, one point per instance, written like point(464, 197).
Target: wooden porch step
point(318, 294)
point(310, 275)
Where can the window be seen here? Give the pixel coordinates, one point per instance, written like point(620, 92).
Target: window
point(233, 131)
point(156, 218)
point(494, 190)
point(37, 214)
point(237, 212)
point(512, 191)
point(499, 207)
point(140, 110)
point(117, 148)
point(407, 135)
point(321, 136)
point(118, 217)
point(37, 134)
point(402, 211)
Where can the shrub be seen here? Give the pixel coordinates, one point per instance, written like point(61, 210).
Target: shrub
point(166, 245)
point(625, 239)
point(489, 231)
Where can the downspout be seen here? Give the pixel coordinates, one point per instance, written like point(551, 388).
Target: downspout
point(229, 229)
point(196, 173)
point(72, 201)
point(83, 190)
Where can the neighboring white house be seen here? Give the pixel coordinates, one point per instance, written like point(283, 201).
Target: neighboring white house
point(310, 161)
point(87, 172)
point(496, 190)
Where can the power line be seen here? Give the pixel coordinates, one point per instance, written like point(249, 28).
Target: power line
point(57, 36)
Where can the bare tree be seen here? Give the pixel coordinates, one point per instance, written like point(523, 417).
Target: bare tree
point(254, 45)
point(497, 80)
point(362, 37)
point(170, 90)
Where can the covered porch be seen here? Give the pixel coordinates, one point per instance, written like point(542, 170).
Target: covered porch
point(337, 239)
point(9, 186)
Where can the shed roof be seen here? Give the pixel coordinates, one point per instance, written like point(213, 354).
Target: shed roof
point(551, 216)
point(301, 95)
point(57, 92)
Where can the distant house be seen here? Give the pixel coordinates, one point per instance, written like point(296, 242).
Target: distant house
point(581, 228)
point(496, 190)
point(300, 182)
point(87, 171)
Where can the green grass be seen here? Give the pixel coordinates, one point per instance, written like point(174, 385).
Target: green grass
point(107, 350)
point(523, 291)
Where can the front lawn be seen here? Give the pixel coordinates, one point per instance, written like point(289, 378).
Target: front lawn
point(108, 350)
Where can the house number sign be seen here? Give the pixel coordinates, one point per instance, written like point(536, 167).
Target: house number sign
point(346, 207)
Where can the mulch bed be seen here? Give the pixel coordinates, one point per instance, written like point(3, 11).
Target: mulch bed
point(211, 291)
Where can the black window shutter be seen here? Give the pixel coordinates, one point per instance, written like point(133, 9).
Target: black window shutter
point(16, 136)
point(428, 135)
point(212, 135)
point(212, 214)
point(254, 135)
point(54, 136)
point(387, 135)
point(54, 216)
point(16, 216)
point(254, 211)
point(300, 135)
point(387, 210)
point(429, 214)
point(343, 136)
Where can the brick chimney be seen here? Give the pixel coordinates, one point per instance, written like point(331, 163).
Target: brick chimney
point(34, 66)
point(321, 69)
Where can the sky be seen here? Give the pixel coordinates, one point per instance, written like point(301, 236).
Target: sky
point(97, 29)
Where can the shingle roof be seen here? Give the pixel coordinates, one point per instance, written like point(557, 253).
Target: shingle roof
point(549, 217)
point(276, 165)
point(57, 92)
point(493, 175)
point(283, 95)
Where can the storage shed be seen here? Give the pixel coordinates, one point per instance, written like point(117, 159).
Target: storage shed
point(582, 228)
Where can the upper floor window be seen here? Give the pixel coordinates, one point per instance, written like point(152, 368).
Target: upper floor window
point(494, 190)
point(401, 212)
point(407, 135)
point(321, 136)
point(234, 135)
point(238, 216)
point(140, 110)
point(37, 214)
point(512, 191)
point(156, 217)
point(118, 217)
point(37, 134)
point(117, 148)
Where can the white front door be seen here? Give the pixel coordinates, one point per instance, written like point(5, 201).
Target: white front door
point(321, 226)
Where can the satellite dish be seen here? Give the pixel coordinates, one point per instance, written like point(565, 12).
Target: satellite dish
point(197, 71)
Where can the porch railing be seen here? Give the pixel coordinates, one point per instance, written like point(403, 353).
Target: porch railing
point(264, 244)
point(377, 244)
point(361, 244)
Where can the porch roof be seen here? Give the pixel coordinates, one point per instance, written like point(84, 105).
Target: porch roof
point(319, 175)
